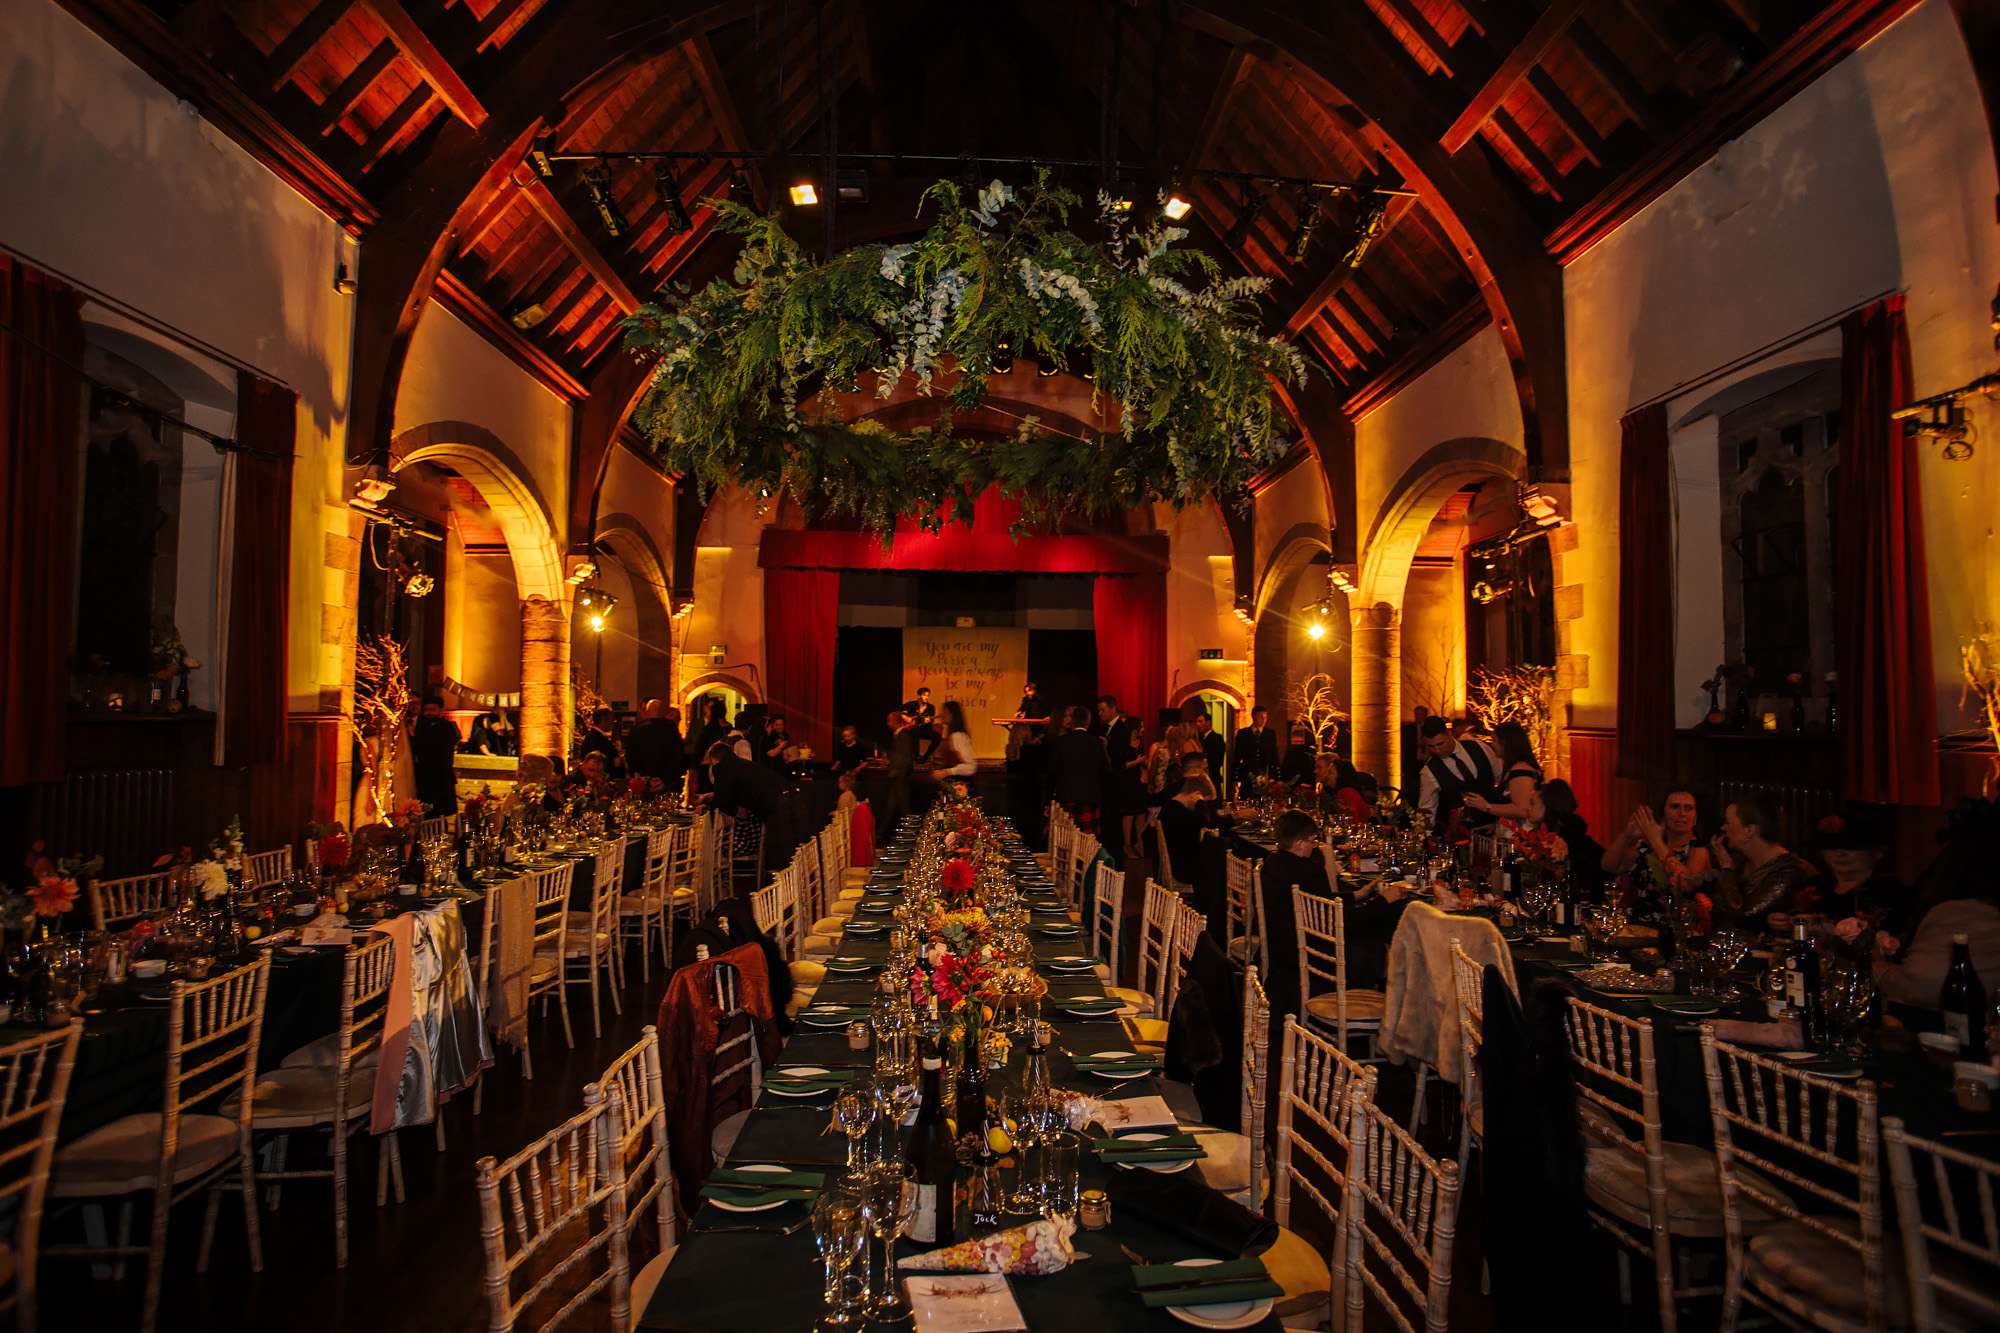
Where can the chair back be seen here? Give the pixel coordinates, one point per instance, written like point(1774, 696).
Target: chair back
point(368, 970)
point(1318, 1087)
point(1468, 977)
point(1165, 859)
point(681, 857)
point(273, 867)
point(811, 883)
point(1819, 1137)
point(551, 889)
point(1256, 1075)
point(1936, 1188)
point(1399, 1219)
point(659, 847)
point(768, 909)
point(1322, 926)
point(1239, 921)
point(634, 1082)
point(438, 826)
point(117, 902)
point(1062, 830)
point(34, 1083)
point(546, 1201)
point(1107, 919)
point(736, 1034)
point(1156, 943)
point(1083, 849)
point(1188, 928)
point(1616, 1076)
point(213, 1030)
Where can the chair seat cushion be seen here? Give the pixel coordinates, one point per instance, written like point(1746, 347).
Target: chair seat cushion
point(855, 892)
point(647, 1280)
point(1615, 1180)
point(1147, 1031)
point(1103, 971)
point(302, 1097)
point(1137, 1000)
point(827, 925)
point(843, 910)
point(806, 973)
point(1364, 1007)
point(324, 1053)
point(124, 1156)
point(544, 967)
point(1301, 1268)
point(820, 946)
point(854, 877)
point(801, 997)
point(1826, 1275)
point(1227, 1166)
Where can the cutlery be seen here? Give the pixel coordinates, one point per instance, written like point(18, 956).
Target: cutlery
point(793, 1229)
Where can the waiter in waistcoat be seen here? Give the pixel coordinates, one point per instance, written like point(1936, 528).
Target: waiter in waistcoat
point(1453, 767)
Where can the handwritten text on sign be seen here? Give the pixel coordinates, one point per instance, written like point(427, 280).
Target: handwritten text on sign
point(984, 669)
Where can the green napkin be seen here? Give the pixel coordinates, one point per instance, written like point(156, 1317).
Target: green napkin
point(1094, 1005)
point(809, 1082)
point(1140, 1064)
point(832, 1017)
point(797, 1180)
point(1132, 1145)
point(1153, 1158)
point(1167, 1284)
point(749, 1198)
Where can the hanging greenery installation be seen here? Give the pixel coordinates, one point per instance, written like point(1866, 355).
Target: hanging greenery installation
point(749, 374)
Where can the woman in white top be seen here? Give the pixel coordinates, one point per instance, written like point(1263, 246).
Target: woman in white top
point(955, 757)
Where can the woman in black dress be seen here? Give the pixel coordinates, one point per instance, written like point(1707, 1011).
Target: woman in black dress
point(1520, 775)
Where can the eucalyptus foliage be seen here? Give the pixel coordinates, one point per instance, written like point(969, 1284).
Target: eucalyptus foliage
point(750, 374)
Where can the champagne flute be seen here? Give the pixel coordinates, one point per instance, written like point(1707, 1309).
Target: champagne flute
point(851, 1116)
point(889, 1198)
point(841, 1234)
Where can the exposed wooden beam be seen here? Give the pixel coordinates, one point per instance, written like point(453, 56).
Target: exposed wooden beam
point(301, 41)
point(421, 51)
point(354, 87)
point(496, 18)
point(1575, 124)
point(721, 104)
point(1426, 35)
point(385, 135)
point(1617, 77)
point(864, 68)
point(566, 229)
point(484, 221)
point(1337, 277)
point(1432, 348)
point(1538, 163)
point(1523, 56)
point(1235, 70)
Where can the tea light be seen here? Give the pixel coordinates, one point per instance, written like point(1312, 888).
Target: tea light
point(1094, 1210)
point(857, 1036)
point(1769, 721)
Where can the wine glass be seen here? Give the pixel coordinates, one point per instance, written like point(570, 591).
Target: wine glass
point(889, 1200)
point(1538, 896)
point(853, 1111)
point(841, 1232)
point(1848, 997)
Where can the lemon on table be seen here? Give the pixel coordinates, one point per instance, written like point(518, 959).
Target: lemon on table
point(997, 1140)
point(253, 932)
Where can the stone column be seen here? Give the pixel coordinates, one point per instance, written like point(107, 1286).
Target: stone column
point(1376, 657)
point(545, 689)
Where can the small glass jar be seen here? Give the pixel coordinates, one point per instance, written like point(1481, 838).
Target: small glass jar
point(857, 1036)
point(1094, 1210)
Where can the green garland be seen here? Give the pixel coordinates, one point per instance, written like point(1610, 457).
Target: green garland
point(1174, 347)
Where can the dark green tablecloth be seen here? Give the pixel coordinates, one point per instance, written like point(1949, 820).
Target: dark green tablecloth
point(749, 1283)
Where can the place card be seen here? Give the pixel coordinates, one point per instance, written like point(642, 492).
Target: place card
point(964, 1303)
point(1135, 1113)
point(326, 935)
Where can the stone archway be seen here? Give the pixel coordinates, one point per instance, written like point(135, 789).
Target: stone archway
point(626, 540)
point(487, 465)
point(1276, 626)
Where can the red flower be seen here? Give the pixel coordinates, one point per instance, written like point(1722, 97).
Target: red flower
point(957, 877)
point(53, 895)
point(333, 850)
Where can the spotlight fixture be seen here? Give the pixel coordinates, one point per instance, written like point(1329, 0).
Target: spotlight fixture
point(597, 183)
point(528, 316)
point(1246, 221)
point(1302, 232)
point(1178, 205)
point(418, 585)
point(1002, 360)
point(740, 191)
point(1946, 425)
point(373, 485)
point(594, 604)
point(1316, 630)
point(538, 157)
point(1366, 229)
point(804, 195)
point(670, 197)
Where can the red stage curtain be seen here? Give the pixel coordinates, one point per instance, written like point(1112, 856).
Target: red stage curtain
point(801, 620)
point(256, 685)
point(1131, 615)
point(1645, 598)
point(986, 544)
point(40, 329)
point(1887, 691)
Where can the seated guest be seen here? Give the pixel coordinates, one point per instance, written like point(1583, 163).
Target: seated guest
point(1300, 763)
point(1077, 770)
point(1851, 846)
point(1755, 875)
point(1370, 917)
point(1669, 839)
point(1184, 821)
point(602, 739)
point(1338, 792)
point(739, 787)
point(1453, 768)
point(1559, 816)
point(1520, 775)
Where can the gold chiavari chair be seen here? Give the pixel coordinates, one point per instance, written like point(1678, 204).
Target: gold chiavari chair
point(1399, 1219)
point(1156, 942)
point(1239, 927)
point(213, 1029)
point(642, 912)
point(546, 976)
point(1948, 1204)
point(589, 951)
point(833, 873)
point(1318, 1088)
point(1107, 922)
point(822, 937)
point(552, 1209)
point(309, 1091)
point(273, 867)
point(34, 1082)
point(1347, 1011)
point(1189, 926)
point(633, 1080)
point(683, 882)
point(1055, 861)
point(1781, 1132)
point(115, 903)
point(1083, 850)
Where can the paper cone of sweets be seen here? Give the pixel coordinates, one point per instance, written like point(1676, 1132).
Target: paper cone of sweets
point(1041, 1246)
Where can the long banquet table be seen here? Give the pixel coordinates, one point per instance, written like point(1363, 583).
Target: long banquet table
point(734, 1282)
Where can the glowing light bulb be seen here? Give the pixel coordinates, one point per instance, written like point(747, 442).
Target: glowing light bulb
point(1316, 631)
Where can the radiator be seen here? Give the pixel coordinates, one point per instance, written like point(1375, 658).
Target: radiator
point(125, 815)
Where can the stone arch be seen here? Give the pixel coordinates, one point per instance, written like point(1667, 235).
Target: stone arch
point(478, 455)
point(744, 684)
point(627, 541)
point(1273, 624)
point(1406, 512)
point(1209, 685)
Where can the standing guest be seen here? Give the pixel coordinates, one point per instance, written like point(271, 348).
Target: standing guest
point(955, 755)
point(433, 742)
point(1452, 768)
point(901, 762)
point(1184, 821)
point(490, 735)
point(602, 739)
point(924, 714)
point(776, 743)
point(849, 754)
point(1520, 775)
point(741, 788)
point(1025, 761)
point(1213, 747)
point(1121, 789)
point(1671, 840)
point(1755, 874)
point(1300, 763)
point(1560, 816)
point(1256, 751)
point(1078, 772)
point(656, 749)
point(1162, 768)
point(1032, 703)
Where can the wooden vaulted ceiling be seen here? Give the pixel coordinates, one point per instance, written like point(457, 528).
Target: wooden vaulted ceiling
point(1587, 108)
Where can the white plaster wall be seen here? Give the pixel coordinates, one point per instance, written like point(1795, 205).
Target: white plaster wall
point(1698, 630)
point(1295, 498)
point(728, 592)
point(1878, 176)
point(105, 180)
point(1201, 599)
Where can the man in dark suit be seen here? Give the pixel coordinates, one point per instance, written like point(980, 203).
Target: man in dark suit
point(902, 761)
point(1413, 751)
point(433, 743)
point(1032, 703)
point(741, 787)
point(655, 748)
point(1122, 789)
point(1256, 750)
point(1077, 772)
point(1213, 747)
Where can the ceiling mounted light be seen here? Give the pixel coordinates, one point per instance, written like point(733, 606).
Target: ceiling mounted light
point(740, 191)
point(1247, 220)
point(1302, 232)
point(1176, 207)
point(597, 183)
point(1373, 218)
point(670, 197)
point(528, 316)
point(804, 195)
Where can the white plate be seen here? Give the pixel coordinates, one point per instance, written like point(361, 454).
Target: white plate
point(1073, 963)
point(796, 1071)
point(849, 965)
point(1235, 1314)
point(1164, 1168)
point(833, 1020)
point(1115, 1055)
point(761, 1168)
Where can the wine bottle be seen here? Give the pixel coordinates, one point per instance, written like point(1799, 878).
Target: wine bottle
point(1962, 1001)
point(933, 1156)
point(1802, 986)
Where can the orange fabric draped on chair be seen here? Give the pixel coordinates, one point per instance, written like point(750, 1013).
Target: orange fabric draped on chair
point(690, 1026)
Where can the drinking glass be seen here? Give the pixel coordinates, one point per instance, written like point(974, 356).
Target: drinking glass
point(853, 1112)
point(889, 1199)
point(1061, 1178)
point(1848, 997)
point(840, 1230)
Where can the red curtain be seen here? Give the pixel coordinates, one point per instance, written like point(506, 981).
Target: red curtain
point(254, 706)
point(1645, 598)
point(1131, 616)
point(986, 544)
point(801, 619)
point(40, 398)
point(1887, 690)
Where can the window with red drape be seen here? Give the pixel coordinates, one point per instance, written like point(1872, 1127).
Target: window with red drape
point(1645, 598)
point(41, 337)
point(1883, 634)
point(255, 686)
point(801, 618)
point(1130, 611)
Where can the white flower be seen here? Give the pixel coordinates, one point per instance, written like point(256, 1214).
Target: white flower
point(211, 879)
point(892, 262)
